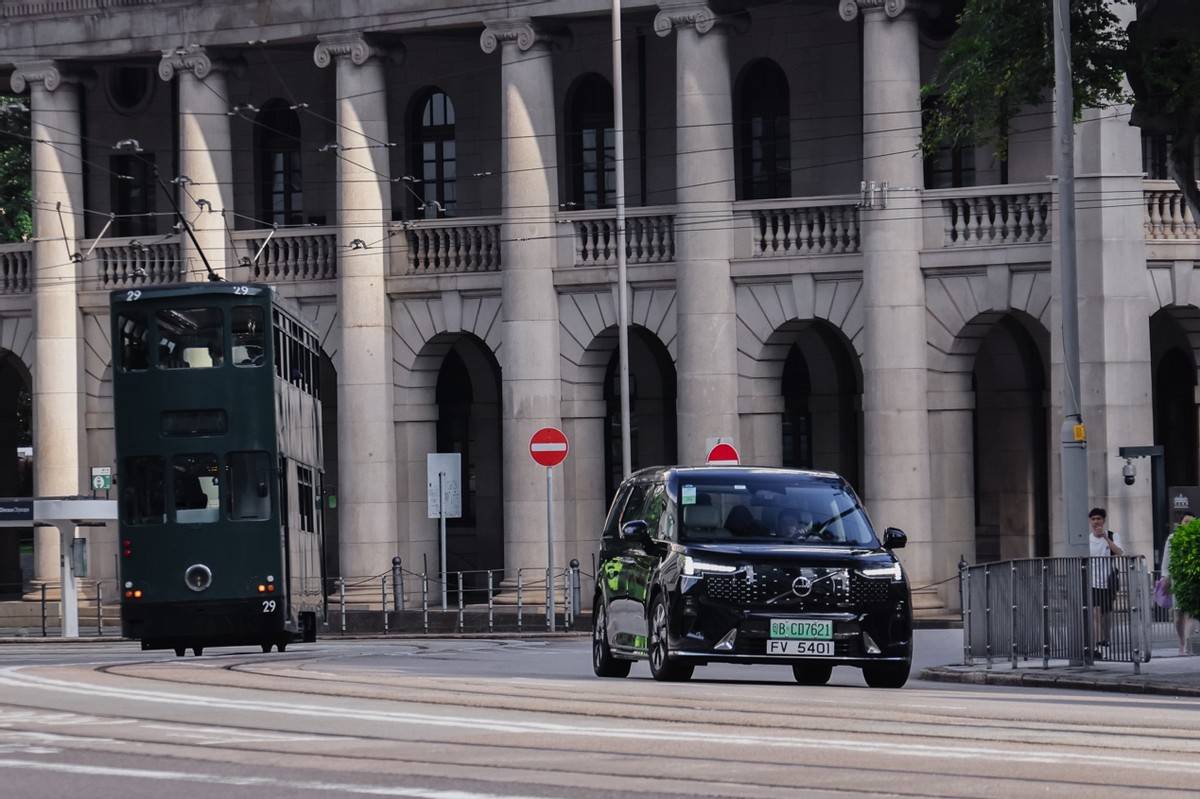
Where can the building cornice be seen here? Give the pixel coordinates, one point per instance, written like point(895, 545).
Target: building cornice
point(675, 14)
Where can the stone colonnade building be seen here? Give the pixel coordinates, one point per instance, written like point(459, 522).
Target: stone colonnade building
point(434, 186)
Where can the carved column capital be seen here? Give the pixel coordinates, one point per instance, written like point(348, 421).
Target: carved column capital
point(682, 13)
point(354, 46)
point(850, 9)
point(51, 74)
point(194, 59)
point(524, 33)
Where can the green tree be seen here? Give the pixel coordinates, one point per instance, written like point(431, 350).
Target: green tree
point(16, 194)
point(1185, 568)
point(1001, 58)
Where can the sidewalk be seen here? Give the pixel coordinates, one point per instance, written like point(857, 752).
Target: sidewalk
point(1166, 673)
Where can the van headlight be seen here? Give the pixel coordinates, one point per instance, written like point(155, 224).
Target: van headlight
point(692, 566)
point(891, 572)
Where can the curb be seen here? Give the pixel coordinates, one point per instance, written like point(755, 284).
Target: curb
point(1050, 679)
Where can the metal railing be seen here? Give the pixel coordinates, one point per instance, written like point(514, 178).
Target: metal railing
point(1077, 610)
point(478, 594)
point(36, 610)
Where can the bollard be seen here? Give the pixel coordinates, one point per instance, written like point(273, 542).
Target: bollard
point(575, 592)
point(43, 610)
point(397, 585)
point(549, 598)
point(425, 600)
point(342, 601)
point(987, 614)
point(1012, 618)
point(1045, 620)
point(460, 602)
point(519, 620)
point(491, 621)
point(964, 583)
point(383, 602)
point(99, 609)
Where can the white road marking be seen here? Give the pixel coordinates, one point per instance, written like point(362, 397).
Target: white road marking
point(675, 734)
point(250, 782)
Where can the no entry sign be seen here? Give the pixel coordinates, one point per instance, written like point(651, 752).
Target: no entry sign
point(723, 455)
point(548, 447)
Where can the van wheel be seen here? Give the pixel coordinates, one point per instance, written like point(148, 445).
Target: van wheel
point(603, 662)
point(663, 667)
point(887, 675)
point(812, 673)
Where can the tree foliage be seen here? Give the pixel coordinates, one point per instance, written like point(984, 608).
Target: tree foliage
point(16, 195)
point(1185, 568)
point(1001, 59)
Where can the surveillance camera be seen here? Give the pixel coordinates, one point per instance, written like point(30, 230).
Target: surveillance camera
point(1129, 472)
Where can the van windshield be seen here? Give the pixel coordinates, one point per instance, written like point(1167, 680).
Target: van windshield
point(771, 509)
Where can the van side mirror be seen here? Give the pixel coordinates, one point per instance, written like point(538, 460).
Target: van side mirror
point(894, 538)
point(635, 531)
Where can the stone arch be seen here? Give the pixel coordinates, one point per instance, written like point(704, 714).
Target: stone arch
point(588, 336)
point(16, 338)
point(1174, 359)
point(425, 329)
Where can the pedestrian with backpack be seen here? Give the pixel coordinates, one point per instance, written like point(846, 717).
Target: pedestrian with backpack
point(1103, 543)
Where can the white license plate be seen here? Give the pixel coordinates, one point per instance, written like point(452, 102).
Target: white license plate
point(812, 649)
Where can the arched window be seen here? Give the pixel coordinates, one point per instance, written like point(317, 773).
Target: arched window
point(434, 155)
point(763, 139)
point(277, 148)
point(591, 143)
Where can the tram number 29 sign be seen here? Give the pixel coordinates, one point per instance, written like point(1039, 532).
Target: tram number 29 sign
point(548, 447)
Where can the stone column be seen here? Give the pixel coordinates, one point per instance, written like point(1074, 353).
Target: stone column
point(704, 179)
point(367, 512)
point(895, 381)
point(59, 443)
point(529, 353)
point(205, 156)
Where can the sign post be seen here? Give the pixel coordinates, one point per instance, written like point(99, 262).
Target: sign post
point(444, 498)
point(101, 479)
point(548, 447)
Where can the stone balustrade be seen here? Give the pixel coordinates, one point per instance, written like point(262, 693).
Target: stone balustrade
point(790, 227)
point(304, 253)
point(46, 8)
point(16, 268)
point(132, 261)
point(1167, 214)
point(649, 236)
point(438, 246)
point(1014, 214)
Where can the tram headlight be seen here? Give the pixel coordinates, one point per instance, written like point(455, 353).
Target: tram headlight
point(198, 577)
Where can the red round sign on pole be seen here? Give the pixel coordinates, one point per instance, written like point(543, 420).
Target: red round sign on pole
point(548, 447)
point(723, 455)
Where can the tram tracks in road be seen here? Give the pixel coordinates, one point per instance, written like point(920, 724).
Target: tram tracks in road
point(646, 702)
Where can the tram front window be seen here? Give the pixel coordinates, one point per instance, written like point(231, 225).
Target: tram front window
point(190, 338)
point(249, 339)
point(249, 486)
point(142, 491)
point(197, 491)
point(135, 342)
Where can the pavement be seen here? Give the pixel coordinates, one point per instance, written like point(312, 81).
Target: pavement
point(1167, 673)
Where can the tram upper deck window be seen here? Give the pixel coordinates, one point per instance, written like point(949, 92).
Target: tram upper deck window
point(197, 489)
point(142, 491)
point(135, 341)
point(249, 486)
point(249, 336)
point(190, 338)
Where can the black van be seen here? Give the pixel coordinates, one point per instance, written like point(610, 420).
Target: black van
point(748, 565)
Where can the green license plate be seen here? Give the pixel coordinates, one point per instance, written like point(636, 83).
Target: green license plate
point(802, 629)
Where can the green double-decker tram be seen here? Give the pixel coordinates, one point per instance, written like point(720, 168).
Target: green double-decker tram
point(219, 466)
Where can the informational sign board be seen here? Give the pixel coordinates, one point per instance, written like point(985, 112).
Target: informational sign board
point(16, 510)
point(101, 478)
point(448, 502)
point(1182, 500)
point(548, 447)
